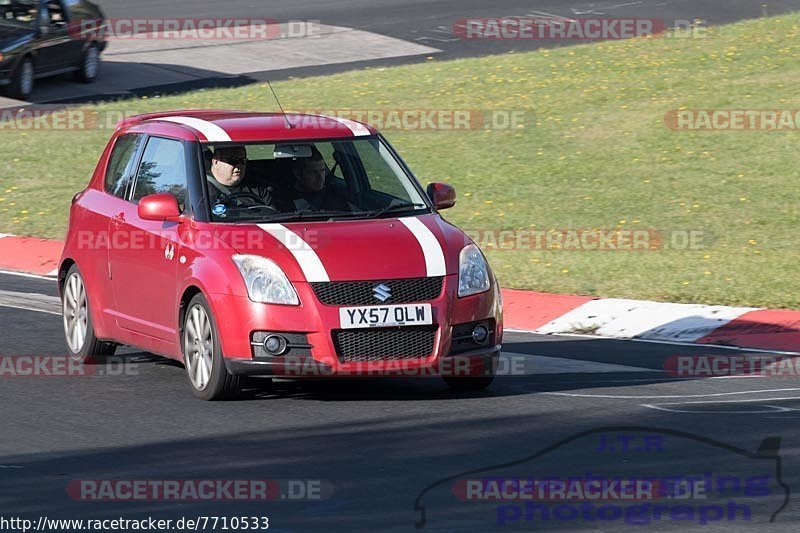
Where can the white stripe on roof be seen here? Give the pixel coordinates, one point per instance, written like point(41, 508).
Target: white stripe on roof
point(210, 131)
point(359, 130)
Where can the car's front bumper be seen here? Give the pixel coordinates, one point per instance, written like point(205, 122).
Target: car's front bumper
point(475, 363)
point(240, 319)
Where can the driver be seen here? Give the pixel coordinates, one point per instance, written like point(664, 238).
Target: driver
point(226, 181)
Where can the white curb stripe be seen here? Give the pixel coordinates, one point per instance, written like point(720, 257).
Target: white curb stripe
point(309, 261)
point(434, 257)
point(4, 235)
point(210, 131)
point(359, 130)
point(646, 320)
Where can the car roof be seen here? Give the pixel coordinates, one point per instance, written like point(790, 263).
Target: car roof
point(220, 126)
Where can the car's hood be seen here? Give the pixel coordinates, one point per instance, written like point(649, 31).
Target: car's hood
point(391, 248)
point(11, 35)
point(10, 31)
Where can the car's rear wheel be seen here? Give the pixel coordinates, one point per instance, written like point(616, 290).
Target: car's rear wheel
point(82, 342)
point(90, 64)
point(22, 80)
point(202, 354)
point(479, 377)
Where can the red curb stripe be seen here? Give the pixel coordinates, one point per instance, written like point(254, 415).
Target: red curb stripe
point(530, 310)
point(766, 329)
point(28, 254)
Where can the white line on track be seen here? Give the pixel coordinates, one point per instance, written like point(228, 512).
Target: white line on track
point(24, 275)
point(29, 301)
point(656, 397)
point(669, 343)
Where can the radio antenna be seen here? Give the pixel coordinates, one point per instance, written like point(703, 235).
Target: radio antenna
point(288, 122)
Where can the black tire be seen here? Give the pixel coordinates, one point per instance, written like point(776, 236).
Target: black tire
point(22, 81)
point(76, 313)
point(89, 67)
point(484, 378)
point(219, 384)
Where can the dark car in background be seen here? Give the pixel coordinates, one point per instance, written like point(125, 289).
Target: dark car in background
point(38, 38)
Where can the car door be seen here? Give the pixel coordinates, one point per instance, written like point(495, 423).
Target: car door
point(143, 254)
point(57, 49)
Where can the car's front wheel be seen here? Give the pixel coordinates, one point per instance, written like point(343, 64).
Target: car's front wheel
point(78, 328)
point(21, 86)
point(90, 64)
point(202, 354)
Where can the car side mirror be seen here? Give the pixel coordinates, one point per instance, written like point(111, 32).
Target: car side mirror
point(159, 207)
point(442, 195)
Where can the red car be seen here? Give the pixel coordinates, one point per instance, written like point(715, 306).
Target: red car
point(273, 245)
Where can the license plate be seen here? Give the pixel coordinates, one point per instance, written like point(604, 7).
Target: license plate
point(381, 316)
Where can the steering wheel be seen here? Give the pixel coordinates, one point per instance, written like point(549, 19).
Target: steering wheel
point(258, 202)
point(244, 194)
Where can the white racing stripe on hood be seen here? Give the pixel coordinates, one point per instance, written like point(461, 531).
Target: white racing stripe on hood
point(434, 257)
point(210, 131)
point(309, 261)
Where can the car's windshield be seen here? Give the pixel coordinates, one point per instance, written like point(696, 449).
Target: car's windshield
point(19, 12)
point(301, 180)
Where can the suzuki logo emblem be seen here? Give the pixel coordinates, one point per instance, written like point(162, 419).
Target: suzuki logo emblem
point(382, 292)
point(169, 252)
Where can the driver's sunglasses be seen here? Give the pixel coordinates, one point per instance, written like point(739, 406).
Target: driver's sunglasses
point(234, 161)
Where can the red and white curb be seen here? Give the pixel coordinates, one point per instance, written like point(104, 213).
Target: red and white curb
point(744, 327)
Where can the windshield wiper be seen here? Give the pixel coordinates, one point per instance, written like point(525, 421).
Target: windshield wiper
point(307, 214)
point(404, 206)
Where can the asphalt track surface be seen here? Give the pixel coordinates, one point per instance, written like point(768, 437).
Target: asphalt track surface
point(379, 443)
point(430, 22)
point(421, 22)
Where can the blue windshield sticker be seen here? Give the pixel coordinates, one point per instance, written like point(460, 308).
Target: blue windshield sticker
point(219, 210)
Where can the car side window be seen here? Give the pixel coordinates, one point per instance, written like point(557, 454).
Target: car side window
point(53, 14)
point(121, 164)
point(162, 170)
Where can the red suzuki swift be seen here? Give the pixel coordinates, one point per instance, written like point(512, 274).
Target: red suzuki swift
point(273, 245)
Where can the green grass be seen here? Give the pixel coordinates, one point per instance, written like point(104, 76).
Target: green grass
point(598, 156)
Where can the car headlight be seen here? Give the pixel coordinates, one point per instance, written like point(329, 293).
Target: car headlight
point(473, 272)
point(266, 282)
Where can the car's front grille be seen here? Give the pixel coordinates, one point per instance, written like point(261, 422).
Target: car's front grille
point(383, 344)
point(402, 291)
